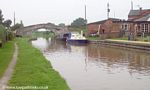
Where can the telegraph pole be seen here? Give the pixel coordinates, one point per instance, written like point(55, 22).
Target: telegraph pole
point(108, 10)
point(85, 12)
point(85, 16)
point(131, 5)
point(14, 19)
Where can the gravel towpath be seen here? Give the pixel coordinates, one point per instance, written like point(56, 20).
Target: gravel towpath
point(8, 73)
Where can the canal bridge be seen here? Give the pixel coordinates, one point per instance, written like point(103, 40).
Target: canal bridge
point(58, 30)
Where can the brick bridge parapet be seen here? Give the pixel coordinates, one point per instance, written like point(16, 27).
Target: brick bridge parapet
point(58, 30)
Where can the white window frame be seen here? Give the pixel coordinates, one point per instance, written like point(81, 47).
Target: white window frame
point(145, 27)
point(125, 26)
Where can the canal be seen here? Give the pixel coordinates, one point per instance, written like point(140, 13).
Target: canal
point(96, 67)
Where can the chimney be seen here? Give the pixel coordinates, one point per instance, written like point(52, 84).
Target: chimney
point(140, 8)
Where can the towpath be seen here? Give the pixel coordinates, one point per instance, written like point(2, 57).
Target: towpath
point(8, 73)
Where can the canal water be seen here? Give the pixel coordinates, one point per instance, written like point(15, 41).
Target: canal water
point(96, 67)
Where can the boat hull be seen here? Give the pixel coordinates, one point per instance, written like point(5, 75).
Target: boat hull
point(63, 39)
point(77, 41)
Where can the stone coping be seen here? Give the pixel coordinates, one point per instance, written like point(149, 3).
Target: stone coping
point(130, 42)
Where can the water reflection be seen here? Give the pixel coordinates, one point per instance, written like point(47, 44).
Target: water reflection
point(131, 59)
point(95, 67)
point(42, 43)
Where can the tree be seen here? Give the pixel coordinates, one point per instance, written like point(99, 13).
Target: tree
point(7, 23)
point(21, 22)
point(5, 33)
point(1, 17)
point(78, 22)
point(62, 25)
point(2, 34)
point(16, 26)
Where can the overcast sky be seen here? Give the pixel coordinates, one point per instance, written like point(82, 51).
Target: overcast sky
point(65, 11)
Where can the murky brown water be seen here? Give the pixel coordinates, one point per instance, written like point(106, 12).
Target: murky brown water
point(95, 67)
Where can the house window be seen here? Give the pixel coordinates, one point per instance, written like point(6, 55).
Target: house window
point(144, 27)
point(125, 27)
point(103, 31)
point(138, 27)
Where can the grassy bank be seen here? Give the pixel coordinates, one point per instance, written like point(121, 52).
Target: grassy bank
point(93, 38)
point(6, 53)
point(32, 69)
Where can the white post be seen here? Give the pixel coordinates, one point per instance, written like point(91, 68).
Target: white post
point(99, 29)
point(81, 33)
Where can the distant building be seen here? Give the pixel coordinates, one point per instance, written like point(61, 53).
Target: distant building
point(138, 24)
point(141, 21)
point(109, 28)
point(137, 14)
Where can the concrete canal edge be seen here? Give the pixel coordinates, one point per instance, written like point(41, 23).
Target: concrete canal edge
point(8, 73)
point(123, 43)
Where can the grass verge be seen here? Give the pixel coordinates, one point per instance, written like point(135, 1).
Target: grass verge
point(32, 69)
point(93, 38)
point(6, 53)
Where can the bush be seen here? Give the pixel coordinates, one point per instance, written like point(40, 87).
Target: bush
point(9, 35)
point(2, 34)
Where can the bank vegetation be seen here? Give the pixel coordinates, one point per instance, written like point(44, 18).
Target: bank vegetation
point(32, 69)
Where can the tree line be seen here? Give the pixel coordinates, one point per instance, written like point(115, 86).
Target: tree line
point(6, 30)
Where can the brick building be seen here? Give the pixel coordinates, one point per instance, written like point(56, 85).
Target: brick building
point(138, 23)
point(108, 28)
point(141, 21)
point(136, 14)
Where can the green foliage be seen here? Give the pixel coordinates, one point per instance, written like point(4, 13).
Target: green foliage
point(1, 17)
point(45, 34)
point(16, 26)
point(78, 22)
point(7, 23)
point(21, 22)
point(144, 39)
point(5, 33)
point(62, 25)
point(6, 53)
point(10, 35)
point(2, 33)
point(93, 38)
point(32, 69)
point(78, 29)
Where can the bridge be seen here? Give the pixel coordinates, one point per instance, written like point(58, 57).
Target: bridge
point(58, 30)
